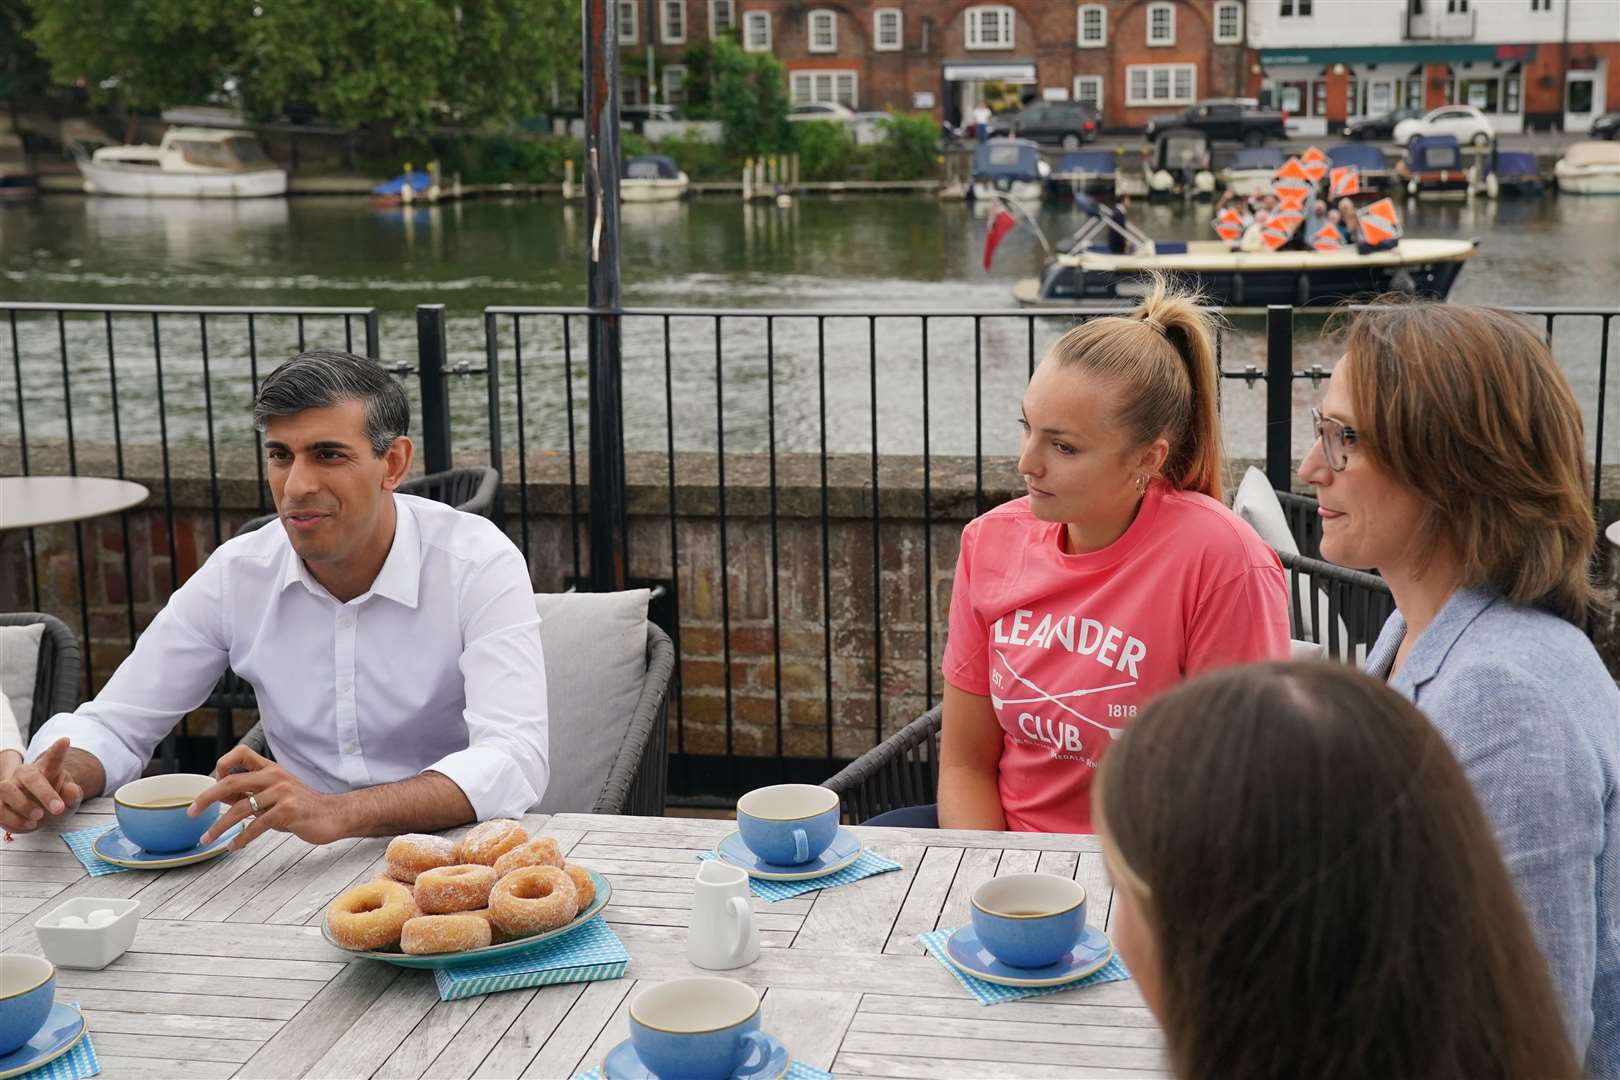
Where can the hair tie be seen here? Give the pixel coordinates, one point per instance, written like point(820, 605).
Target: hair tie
point(1153, 321)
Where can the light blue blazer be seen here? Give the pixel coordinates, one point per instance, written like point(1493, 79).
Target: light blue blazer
point(1534, 717)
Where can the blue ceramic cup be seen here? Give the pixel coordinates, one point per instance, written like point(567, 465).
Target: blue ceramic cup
point(788, 824)
point(1029, 920)
point(701, 1028)
point(152, 812)
point(27, 991)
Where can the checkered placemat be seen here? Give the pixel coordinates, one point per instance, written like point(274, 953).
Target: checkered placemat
point(864, 867)
point(80, 843)
point(76, 1064)
point(990, 993)
point(589, 954)
point(796, 1071)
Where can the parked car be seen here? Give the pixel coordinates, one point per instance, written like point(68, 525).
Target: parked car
point(821, 110)
point(1066, 123)
point(1233, 119)
point(1464, 123)
point(1381, 126)
point(1606, 126)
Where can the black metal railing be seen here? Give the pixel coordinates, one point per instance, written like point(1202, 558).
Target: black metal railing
point(820, 391)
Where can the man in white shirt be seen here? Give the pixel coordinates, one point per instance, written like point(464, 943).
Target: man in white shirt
point(392, 641)
point(981, 121)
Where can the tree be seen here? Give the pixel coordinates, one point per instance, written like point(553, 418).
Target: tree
point(152, 53)
point(748, 94)
point(22, 71)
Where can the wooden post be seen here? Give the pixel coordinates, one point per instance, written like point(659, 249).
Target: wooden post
point(568, 179)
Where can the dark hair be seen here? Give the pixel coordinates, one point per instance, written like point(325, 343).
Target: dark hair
point(1325, 893)
point(1163, 357)
point(1466, 407)
point(319, 379)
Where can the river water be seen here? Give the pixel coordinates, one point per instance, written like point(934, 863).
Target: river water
point(880, 255)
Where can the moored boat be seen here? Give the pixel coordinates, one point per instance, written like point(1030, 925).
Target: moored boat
point(1181, 163)
point(1372, 172)
point(1590, 168)
point(1086, 171)
point(1433, 165)
point(1011, 168)
point(652, 178)
point(1251, 171)
point(1509, 172)
point(189, 163)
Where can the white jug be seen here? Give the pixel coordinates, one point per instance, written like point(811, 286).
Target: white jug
point(722, 933)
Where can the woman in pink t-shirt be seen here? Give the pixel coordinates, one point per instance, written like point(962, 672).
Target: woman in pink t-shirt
point(1119, 575)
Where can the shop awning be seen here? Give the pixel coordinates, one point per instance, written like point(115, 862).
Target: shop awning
point(1013, 71)
point(1430, 53)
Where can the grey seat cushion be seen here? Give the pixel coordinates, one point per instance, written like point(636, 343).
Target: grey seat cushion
point(596, 661)
point(19, 665)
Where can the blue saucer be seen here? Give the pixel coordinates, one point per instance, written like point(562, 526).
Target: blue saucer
point(968, 954)
point(622, 1063)
point(63, 1029)
point(844, 850)
point(114, 847)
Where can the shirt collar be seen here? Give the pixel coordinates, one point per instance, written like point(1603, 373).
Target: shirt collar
point(1432, 646)
point(401, 573)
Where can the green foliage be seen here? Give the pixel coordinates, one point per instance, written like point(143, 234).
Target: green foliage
point(505, 159)
point(699, 160)
point(22, 71)
point(909, 147)
point(748, 95)
point(827, 150)
point(160, 52)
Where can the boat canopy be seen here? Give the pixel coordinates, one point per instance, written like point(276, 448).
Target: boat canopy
point(1091, 161)
point(1515, 164)
point(1432, 153)
point(418, 181)
point(652, 167)
point(1007, 159)
point(1181, 148)
point(1593, 153)
point(1363, 156)
point(1258, 157)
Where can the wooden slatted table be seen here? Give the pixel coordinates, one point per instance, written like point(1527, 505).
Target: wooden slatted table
point(230, 976)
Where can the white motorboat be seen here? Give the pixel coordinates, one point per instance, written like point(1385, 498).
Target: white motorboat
point(1590, 168)
point(190, 163)
point(652, 178)
point(1010, 168)
point(1253, 170)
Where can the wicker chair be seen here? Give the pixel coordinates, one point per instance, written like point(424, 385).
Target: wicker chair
point(470, 490)
point(901, 771)
point(1356, 603)
point(56, 680)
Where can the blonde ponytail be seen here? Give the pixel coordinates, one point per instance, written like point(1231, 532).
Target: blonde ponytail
point(1162, 357)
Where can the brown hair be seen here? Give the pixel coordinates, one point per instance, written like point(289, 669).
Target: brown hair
point(1162, 358)
point(1325, 893)
point(1466, 407)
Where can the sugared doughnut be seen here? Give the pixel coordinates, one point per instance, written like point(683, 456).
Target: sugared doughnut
point(489, 840)
point(497, 935)
point(583, 885)
point(541, 852)
point(446, 889)
point(444, 934)
point(533, 899)
point(370, 917)
point(413, 853)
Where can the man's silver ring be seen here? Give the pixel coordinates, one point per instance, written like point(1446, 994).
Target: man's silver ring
point(253, 803)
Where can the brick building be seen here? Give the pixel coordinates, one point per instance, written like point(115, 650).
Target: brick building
point(1132, 58)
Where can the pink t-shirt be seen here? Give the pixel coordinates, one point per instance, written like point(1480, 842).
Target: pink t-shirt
point(1070, 647)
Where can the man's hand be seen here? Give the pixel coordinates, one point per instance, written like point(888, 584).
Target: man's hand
point(30, 795)
point(283, 802)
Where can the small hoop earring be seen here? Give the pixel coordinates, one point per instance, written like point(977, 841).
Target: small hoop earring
point(1141, 483)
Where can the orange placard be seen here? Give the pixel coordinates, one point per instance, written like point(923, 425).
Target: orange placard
point(1293, 198)
point(1344, 181)
point(1229, 225)
point(1326, 239)
point(1379, 223)
point(1274, 237)
point(1293, 169)
point(1315, 163)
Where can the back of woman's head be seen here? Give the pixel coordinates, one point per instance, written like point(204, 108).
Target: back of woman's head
point(1323, 890)
point(1161, 360)
point(1467, 407)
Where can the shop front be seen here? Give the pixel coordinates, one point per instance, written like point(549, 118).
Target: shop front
point(967, 83)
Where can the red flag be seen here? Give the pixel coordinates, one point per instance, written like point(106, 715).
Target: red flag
point(1379, 223)
point(1344, 181)
point(1002, 224)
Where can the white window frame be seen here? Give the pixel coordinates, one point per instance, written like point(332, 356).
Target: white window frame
point(760, 18)
point(1100, 81)
point(1134, 100)
point(833, 75)
point(1236, 11)
point(878, 15)
point(665, 8)
point(715, 29)
point(1290, 9)
point(1005, 18)
point(1101, 11)
point(665, 79)
point(1169, 11)
point(634, 7)
point(827, 18)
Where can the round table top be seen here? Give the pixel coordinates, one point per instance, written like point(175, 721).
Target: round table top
point(27, 501)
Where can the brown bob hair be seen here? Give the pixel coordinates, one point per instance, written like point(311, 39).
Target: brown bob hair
point(1466, 407)
point(1162, 358)
point(1324, 891)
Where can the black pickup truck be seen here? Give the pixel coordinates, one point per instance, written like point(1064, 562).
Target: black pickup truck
point(1230, 119)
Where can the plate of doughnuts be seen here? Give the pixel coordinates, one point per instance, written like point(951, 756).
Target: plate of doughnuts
point(443, 903)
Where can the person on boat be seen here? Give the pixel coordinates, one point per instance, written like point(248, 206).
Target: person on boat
point(1118, 239)
point(392, 642)
point(1450, 458)
point(1349, 222)
point(1117, 576)
point(1307, 828)
point(1254, 238)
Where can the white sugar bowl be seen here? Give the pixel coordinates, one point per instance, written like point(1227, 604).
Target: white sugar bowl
point(88, 932)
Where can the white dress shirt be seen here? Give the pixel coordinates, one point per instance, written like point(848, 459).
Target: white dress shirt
point(437, 667)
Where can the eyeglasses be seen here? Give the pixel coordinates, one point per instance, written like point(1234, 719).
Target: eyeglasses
point(1337, 437)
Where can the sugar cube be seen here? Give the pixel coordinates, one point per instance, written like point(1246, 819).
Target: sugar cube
point(71, 921)
point(101, 917)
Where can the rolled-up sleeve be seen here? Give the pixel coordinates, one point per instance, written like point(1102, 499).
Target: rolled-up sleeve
point(506, 766)
point(175, 664)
